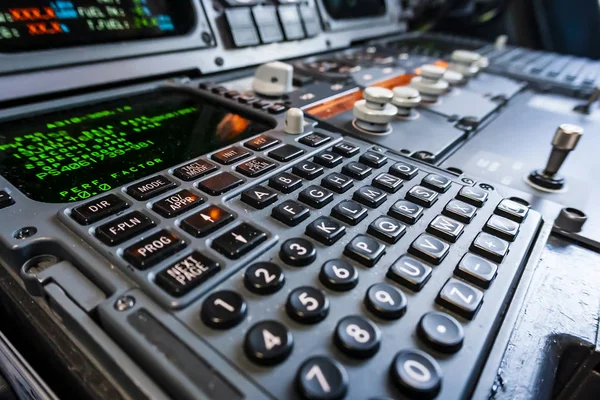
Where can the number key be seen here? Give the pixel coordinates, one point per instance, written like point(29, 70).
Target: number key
point(307, 305)
point(322, 378)
point(297, 252)
point(357, 336)
point(264, 278)
point(224, 309)
point(268, 343)
point(338, 275)
point(417, 374)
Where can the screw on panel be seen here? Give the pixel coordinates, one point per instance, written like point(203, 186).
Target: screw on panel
point(486, 186)
point(219, 61)
point(206, 37)
point(467, 181)
point(25, 233)
point(124, 303)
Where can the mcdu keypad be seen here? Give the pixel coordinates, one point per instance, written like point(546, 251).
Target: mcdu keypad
point(302, 256)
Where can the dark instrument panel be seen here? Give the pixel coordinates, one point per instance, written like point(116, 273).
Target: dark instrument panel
point(281, 199)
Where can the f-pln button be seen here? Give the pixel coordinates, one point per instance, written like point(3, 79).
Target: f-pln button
point(365, 250)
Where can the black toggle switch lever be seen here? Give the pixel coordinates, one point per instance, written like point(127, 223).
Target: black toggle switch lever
point(565, 140)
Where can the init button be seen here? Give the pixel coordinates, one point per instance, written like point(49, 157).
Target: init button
point(123, 228)
point(153, 249)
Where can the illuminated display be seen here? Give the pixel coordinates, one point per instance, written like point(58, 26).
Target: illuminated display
point(74, 154)
point(42, 24)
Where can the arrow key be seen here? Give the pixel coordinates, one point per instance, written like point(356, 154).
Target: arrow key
point(325, 230)
point(239, 241)
point(206, 221)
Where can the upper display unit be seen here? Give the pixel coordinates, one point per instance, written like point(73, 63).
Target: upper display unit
point(29, 25)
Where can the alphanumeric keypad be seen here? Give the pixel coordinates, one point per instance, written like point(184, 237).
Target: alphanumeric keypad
point(268, 343)
point(223, 310)
point(357, 337)
point(307, 305)
point(437, 182)
point(388, 182)
point(490, 247)
point(387, 229)
point(316, 196)
point(339, 183)
point(357, 170)
point(477, 270)
point(285, 182)
point(410, 272)
point(460, 211)
point(307, 170)
point(446, 228)
point(298, 252)
point(373, 159)
point(346, 149)
point(502, 227)
point(406, 211)
point(385, 301)
point(461, 298)
point(264, 278)
point(429, 248)
point(473, 195)
point(338, 275)
point(259, 197)
point(290, 212)
point(365, 250)
point(350, 212)
point(512, 210)
point(404, 170)
point(328, 159)
point(325, 230)
point(416, 374)
point(423, 196)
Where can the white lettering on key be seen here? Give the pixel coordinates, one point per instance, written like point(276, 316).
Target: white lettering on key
point(363, 246)
point(325, 228)
point(387, 226)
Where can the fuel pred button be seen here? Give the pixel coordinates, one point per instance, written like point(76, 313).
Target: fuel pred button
point(153, 249)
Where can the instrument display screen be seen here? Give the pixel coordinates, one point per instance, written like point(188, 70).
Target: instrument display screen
point(28, 25)
point(74, 154)
point(353, 9)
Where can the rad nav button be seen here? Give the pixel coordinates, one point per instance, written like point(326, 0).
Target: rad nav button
point(150, 187)
point(153, 249)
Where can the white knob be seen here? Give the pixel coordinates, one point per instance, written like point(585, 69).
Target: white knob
point(273, 79)
point(377, 97)
point(454, 78)
point(465, 57)
point(483, 62)
point(500, 42)
point(467, 70)
point(427, 87)
point(406, 97)
point(432, 72)
point(294, 121)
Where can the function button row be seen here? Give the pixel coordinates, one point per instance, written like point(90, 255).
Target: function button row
point(230, 155)
point(255, 167)
point(98, 209)
point(259, 197)
point(187, 274)
point(261, 142)
point(153, 249)
point(177, 203)
point(314, 139)
point(194, 170)
point(239, 241)
point(220, 183)
point(286, 153)
point(124, 228)
point(206, 221)
point(150, 187)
